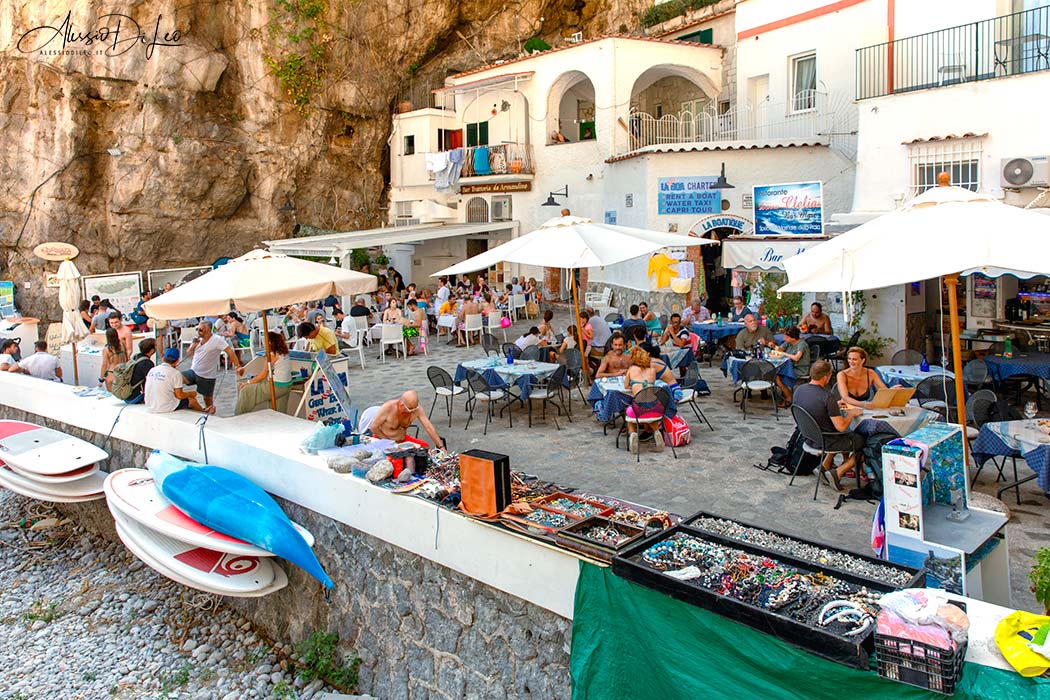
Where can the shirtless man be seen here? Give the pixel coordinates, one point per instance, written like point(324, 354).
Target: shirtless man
point(615, 363)
point(394, 417)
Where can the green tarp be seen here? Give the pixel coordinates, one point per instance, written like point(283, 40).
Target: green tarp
point(634, 643)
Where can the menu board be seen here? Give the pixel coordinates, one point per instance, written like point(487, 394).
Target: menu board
point(7, 298)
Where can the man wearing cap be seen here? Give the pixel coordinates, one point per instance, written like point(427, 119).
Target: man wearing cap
point(164, 388)
point(204, 365)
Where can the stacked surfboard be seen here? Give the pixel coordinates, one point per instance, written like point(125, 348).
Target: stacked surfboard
point(49, 465)
point(181, 548)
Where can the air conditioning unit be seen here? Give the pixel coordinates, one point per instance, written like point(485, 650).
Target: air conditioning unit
point(1032, 171)
point(406, 221)
point(500, 209)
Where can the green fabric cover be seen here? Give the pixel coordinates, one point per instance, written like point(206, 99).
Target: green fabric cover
point(634, 643)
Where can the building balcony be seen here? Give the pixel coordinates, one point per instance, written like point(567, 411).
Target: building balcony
point(1000, 47)
point(499, 159)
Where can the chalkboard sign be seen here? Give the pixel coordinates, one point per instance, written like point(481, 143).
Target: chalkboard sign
point(334, 381)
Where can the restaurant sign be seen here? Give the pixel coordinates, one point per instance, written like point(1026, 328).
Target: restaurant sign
point(710, 223)
point(688, 195)
point(793, 209)
point(517, 186)
point(56, 251)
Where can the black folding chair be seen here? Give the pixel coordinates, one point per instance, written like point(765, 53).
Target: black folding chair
point(550, 391)
point(511, 350)
point(814, 442)
point(758, 375)
point(478, 389)
point(689, 395)
point(906, 357)
point(650, 406)
point(490, 344)
point(444, 387)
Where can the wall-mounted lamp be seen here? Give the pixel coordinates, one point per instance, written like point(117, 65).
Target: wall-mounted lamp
point(564, 192)
point(721, 183)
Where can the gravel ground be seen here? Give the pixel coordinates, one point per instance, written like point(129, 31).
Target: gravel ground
point(81, 617)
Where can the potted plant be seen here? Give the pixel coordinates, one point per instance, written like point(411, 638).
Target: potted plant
point(515, 165)
point(1039, 577)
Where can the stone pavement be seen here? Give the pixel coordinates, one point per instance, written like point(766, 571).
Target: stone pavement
point(714, 473)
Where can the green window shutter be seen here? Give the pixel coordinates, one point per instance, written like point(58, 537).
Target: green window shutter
point(483, 134)
point(704, 36)
point(472, 135)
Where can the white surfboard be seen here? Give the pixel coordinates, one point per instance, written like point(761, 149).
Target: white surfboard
point(56, 478)
point(134, 493)
point(87, 489)
point(198, 567)
point(34, 448)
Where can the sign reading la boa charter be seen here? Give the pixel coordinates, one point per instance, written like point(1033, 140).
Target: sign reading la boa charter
point(792, 209)
point(688, 195)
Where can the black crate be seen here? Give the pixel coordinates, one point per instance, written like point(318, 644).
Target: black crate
point(919, 664)
point(850, 651)
point(917, 576)
point(572, 537)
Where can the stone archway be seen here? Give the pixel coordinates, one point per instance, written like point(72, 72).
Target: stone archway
point(571, 107)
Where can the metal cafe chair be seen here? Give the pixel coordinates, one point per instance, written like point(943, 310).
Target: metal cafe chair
point(445, 388)
point(813, 442)
point(478, 389)
point(689, 396)
point(757, 375)
point(550, 391)
point(650, 406)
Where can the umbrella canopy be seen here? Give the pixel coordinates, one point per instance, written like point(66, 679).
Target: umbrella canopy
point(73, 328)
point(571, 242)
point(946, 230)
point(256, 281)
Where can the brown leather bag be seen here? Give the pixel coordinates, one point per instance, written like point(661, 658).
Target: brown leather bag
point(484, 480)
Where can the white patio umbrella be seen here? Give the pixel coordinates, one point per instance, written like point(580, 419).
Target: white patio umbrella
point(944, 232)
point(572, 242)
point(256, 281)
point(73, 328)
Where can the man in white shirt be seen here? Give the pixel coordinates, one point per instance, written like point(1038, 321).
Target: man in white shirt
point(443, 293)
point(695, 313)
point(40, 364)
point(164, 391)
point(204, 365)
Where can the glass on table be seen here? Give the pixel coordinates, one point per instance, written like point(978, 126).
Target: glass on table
point(1030, 410)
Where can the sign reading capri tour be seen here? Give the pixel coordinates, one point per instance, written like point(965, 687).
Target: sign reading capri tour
point(794, 209)
point(688, 195)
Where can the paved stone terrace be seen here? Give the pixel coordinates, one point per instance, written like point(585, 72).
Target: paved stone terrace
point(714, 473)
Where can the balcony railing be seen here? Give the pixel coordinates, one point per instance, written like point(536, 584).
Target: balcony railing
point(415, 96)
point(503, 159)
point(993, 48)
point(810, 114)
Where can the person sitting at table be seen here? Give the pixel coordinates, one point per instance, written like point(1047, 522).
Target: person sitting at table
point(571, 340)
point(529, 290)
point(393, 419)
point(469, 308)
point(410, 292)
point(254, 394)
point(796, 350)
point(360, 308)
point(816, 321)
point(529, 338)
point(235, 329)
point(164, 388)
point(489, 310)
point(833, 417)
point(739, 310)
point(632, 321)
point(640, 375)
point(413, 326)
point(41, 364)
point(696, 313)
point(754, 334)
point(637, 335)
point(320, 337)
point(392, 313)
point(676, 332)
point(547, 334)
point(615, 362)
point(652, 321)
point(663, 372)
point(8, 348)
point(858, 383)
point(504, 299)
point(480, 286)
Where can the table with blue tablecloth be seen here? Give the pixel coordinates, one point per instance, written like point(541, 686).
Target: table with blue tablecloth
point(678, 358)
point(833, 339)
point(783, 366)
point(908, 375)
point(712, 332)
point(608, 398)
point(900, 422)
point(497, 372)
point(1036, 364)
point(1016, 438)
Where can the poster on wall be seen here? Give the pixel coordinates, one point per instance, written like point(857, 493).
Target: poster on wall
point(792, 209)
point(688, 195)
point(156, 279)
point(7, 298)
point(984, 297)
point(121, 289)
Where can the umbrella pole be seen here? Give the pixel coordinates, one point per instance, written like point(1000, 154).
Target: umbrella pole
point(579, 328)
point(960, 390)
point(76, 373)
point(269, 365)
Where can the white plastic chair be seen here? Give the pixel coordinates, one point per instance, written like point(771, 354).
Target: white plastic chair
point(186, 337)
point(517, 305)
point(361, 326)
point(393, 335)
point(472, 323)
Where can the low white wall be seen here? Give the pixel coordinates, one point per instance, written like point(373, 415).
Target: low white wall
point(264, 446)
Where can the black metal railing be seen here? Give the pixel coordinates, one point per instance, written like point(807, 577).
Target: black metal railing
point(420, 95)
point(1013, 44)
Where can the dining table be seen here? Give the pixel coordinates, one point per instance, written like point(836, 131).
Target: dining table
point(909, 375)
point(1036, 364)
point(782, 365)
point(712, 331)
point(609, 398)
point(497, 371)
point(1017, 438)
point(899, 421)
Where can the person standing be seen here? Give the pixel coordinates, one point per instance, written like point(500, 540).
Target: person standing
point(397, 282)
point(204, 355)
point(113, 354)
point(443, 292)
point(123, 332)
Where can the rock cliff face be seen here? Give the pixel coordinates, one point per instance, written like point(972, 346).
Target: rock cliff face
point(156, 133)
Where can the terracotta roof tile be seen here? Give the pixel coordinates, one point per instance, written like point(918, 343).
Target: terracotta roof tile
point(948, 137)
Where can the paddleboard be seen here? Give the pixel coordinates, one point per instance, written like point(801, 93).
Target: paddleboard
point(230, 503)
point(86, 489)
point(134, 493)
point(198, 567)
point(34, 448)
point(56, 478)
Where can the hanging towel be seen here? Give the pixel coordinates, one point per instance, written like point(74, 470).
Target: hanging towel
point(481, 161)
point(455, 166)
point(436, 162)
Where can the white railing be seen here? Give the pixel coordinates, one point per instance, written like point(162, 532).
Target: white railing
point(811, 114)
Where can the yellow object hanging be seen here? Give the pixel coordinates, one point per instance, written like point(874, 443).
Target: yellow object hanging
point(663, 267)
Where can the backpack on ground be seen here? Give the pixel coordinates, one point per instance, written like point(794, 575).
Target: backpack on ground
point(122, 386)
point(783, 459)
point(676, 432)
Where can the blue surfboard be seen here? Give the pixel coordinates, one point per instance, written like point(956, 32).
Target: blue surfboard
point(234, 506)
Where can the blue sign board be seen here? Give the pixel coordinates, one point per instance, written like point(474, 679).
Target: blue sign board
point(688, 195)
point(610, 217)
point(794, 209)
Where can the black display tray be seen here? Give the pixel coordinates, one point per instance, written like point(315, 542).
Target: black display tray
point(571, 537)
point(850, 651)
point(918, 576)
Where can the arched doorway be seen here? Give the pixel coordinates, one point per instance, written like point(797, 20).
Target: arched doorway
point(477, 210)
point(671, 104)
point(570, 108)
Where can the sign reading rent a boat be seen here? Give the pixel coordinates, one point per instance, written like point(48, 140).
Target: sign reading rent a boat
point(688, 195)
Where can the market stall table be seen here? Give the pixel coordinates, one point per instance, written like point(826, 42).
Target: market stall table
point(909, 375)
point(1016, 438)
point(881, 420)
point(783, 366)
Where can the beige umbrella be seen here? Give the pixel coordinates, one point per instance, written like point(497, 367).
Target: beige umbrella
point(73, 328)
point(257, 281)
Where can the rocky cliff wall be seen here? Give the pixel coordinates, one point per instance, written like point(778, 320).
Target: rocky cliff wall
point(156, 133)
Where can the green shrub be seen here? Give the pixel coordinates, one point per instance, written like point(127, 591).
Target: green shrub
point(535, 45)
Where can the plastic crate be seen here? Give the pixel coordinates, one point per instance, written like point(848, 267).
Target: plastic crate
point(919, 664)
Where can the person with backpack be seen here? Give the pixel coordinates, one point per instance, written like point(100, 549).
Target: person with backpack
point(129, 378)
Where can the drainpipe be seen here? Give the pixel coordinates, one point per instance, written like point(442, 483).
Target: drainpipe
point(889, 47)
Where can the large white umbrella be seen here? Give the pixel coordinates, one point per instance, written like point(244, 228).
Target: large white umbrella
point(572, 242)
point(944, 232)
point(256, 281)
point(73, 328)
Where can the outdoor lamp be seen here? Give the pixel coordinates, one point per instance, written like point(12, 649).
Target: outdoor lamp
point(722, 183)
point(557, 193)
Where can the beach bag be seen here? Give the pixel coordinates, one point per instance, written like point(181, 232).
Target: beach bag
point(122, 386)
point(676, 432)
point(532, 308)
point(505, 322)
point(783, 459)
